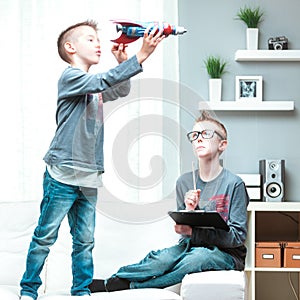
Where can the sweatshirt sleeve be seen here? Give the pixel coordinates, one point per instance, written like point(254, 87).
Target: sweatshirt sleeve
point(76, 82)
point(119, 90)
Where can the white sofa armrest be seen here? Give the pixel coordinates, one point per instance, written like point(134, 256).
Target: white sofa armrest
point(214, 285)
point(9, 292)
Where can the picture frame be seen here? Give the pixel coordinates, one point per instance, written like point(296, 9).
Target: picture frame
point(248, 88)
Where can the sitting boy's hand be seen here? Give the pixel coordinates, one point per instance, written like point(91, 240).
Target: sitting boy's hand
point(191, 199)
point(119, 52)
point(183, 229)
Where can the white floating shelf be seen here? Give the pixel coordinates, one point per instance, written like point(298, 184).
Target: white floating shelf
point(267, 55)
point(247, 106)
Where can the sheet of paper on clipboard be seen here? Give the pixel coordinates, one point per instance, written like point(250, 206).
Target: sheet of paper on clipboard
point(199, 218)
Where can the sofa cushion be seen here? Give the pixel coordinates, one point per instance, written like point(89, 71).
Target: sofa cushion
point(116, 244)
point(137, 294)
point(214, 285)
point(17, 222)
point(9, 292)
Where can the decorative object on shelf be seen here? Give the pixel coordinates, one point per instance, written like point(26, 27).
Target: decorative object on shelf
point(251, 17)
point(278, 43)
point(268, 255)
point(252, 38)
point(273, 179)
point(277, 254)
point(248, 88)
point(215, 67)
point(253, 185)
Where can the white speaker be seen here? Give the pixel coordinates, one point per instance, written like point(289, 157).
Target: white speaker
point(273, 179)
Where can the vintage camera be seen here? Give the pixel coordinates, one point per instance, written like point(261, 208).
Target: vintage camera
point(278, 43)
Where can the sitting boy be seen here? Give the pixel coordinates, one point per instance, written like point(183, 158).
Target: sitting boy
point(199, 249)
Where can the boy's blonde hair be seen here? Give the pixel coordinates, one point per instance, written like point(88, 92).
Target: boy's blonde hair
point(66, 35)
point(206, 116)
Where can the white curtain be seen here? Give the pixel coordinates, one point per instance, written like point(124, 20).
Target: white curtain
point(30, 68)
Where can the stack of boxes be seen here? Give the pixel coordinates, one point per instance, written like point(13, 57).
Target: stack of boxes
point(277, 254)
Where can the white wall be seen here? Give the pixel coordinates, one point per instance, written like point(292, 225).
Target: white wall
point(30, 70)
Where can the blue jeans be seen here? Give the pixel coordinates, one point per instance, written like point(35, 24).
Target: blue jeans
point(79, 205)
point(168, 266)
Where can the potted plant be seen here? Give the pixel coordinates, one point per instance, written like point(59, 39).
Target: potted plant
point(251, 17)
point(215, 68)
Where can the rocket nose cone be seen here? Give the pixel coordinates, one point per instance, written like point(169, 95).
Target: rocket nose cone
point(180, 30)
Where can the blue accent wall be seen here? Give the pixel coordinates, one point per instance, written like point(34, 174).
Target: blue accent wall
point(213, 30)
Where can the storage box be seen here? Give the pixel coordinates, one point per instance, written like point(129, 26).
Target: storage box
point(292, 255)
point(268, 254)
point(253, 185)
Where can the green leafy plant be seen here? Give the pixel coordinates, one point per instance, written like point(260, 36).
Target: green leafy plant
point(250, 16)
point(215, 66)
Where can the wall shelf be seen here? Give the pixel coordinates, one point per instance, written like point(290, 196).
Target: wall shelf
point(247, 106)
point(267, 55)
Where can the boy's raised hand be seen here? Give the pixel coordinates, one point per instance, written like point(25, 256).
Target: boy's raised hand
point(119, 52)
point(150, 42)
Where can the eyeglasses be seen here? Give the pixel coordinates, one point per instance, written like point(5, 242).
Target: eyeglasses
point(206, 134)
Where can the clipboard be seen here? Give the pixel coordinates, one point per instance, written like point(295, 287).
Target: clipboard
point(199, 218)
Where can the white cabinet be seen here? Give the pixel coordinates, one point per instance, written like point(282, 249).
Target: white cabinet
point(272, 221)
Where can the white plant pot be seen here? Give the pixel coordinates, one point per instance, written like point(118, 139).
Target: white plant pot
point(252, 38)
point(215, 89)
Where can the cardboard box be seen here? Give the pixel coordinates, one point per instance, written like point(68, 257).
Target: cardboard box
point(268, 254)
point(291, 255)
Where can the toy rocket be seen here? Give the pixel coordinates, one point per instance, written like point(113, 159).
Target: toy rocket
point(131, 31)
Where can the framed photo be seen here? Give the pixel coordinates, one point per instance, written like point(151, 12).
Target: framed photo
point(248, 88)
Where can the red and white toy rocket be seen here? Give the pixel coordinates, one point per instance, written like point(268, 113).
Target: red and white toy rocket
point(131, 31)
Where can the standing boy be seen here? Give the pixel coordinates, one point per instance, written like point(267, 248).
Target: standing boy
point(200, 249)
point(75, 157)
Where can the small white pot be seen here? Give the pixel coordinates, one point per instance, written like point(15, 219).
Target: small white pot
point(252, 38)
point(215, 89)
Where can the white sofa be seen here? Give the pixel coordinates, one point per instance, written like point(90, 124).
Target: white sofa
point(117, 244)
